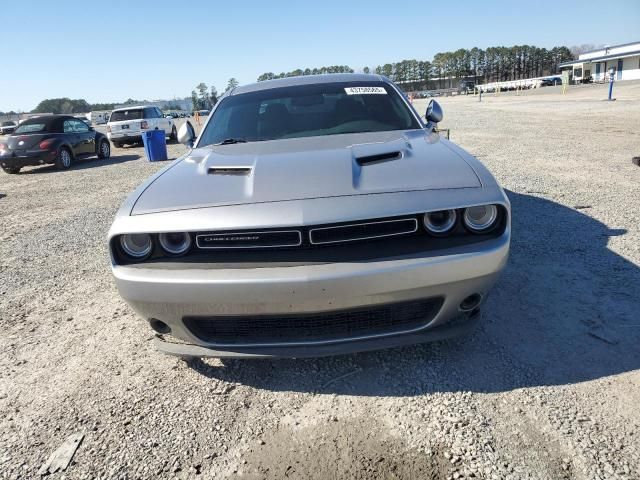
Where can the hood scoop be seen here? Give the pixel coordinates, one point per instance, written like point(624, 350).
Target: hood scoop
point(310, 168)
point(231, 170)
point(378, 158)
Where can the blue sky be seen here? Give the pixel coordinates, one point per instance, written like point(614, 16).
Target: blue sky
point(114, 50)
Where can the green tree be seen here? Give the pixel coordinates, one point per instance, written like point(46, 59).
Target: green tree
point(203, 96)
point(194, 100)
point(213, 98)
point(233, 83)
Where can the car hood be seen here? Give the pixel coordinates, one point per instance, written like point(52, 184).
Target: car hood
point(303, 168)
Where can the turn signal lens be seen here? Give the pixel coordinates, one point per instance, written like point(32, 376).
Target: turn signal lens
point(441, 222)
point(481, 219)
point(136, 245)
point(175, 243)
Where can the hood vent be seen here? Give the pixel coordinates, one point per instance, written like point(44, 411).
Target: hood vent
point(229, 170)
point(378, 158)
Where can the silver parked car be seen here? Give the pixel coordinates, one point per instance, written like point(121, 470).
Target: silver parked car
point(313, 216)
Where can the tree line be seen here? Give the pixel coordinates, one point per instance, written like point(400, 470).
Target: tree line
point(70, 106)
point(202, 99)
point(489, 65)
point(307, 71)
point(494, 64)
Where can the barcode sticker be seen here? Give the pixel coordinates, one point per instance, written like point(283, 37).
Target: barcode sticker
point(365, 91)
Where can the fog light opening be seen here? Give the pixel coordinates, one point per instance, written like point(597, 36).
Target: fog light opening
point(471, 302)
point(159, 326)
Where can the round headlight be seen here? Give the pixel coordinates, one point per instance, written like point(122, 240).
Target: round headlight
point(175, 243)
point(136, 245)
point(481, 219)
point(440, 222)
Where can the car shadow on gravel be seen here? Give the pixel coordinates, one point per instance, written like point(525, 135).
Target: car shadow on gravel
point(84, 164)
point(566, 310)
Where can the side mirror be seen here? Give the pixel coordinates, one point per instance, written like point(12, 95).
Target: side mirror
point(186, 134)
point(434, 112)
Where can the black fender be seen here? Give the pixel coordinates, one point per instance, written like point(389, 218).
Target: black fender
point(68, 146)
point(98, 139)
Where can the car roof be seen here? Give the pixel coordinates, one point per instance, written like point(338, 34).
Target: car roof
point(308, 80)
point(49, 118)
point(53, 122)
point(132, 107)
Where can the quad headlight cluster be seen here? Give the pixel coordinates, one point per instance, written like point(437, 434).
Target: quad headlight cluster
point(139, 246)
point(478, 219)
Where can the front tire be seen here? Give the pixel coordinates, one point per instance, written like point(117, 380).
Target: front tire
point(63, 159)
point(11, 170)
point(174, 135)
point(104, 149)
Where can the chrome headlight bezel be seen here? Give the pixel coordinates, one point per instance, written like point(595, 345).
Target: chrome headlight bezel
point(486, 223)
point(446, 227)
point(136, 250)
point(168, 246)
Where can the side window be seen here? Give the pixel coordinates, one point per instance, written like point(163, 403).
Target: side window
point(158, 113)
point(149, 113)
point(67, 127)
point(80, 126)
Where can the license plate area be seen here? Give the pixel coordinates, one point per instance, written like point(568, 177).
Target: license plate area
point(124, 127)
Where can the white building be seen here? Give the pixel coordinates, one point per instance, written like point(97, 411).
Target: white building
point(624, 59)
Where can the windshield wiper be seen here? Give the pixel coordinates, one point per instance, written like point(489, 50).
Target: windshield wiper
point(231, 141)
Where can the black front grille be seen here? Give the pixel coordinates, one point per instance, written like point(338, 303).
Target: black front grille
point(362, 231)
point(314, 327)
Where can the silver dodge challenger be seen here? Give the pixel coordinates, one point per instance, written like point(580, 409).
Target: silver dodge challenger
point(312, 216)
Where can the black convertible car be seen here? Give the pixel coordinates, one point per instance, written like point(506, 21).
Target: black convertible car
point(51, 139)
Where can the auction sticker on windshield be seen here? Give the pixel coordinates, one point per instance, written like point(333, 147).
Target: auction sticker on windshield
point(365, 91)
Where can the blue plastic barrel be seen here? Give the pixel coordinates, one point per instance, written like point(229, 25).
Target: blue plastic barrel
point(155, 145)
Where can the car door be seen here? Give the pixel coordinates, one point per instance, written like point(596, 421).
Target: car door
point(87, 138)
point(72, 137)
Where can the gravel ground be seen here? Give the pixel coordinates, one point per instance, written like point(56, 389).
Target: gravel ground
point(548, 387)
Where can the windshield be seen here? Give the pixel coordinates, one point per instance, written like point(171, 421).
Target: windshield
point(123, 115)
point(31, 128)
point(309, 110)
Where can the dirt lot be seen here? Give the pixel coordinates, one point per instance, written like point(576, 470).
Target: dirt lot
point(547, 388)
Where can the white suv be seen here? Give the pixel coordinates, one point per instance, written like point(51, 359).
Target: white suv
point(127, 124)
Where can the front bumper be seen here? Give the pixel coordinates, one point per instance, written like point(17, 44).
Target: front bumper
point(27, 158)
point(170, 295)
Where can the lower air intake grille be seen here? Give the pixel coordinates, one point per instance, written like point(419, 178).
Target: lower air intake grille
point(316, 327)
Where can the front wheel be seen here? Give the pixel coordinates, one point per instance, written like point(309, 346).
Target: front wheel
point(63, 160)
point(11, 170)
point(104, 150)
point(174, 134)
